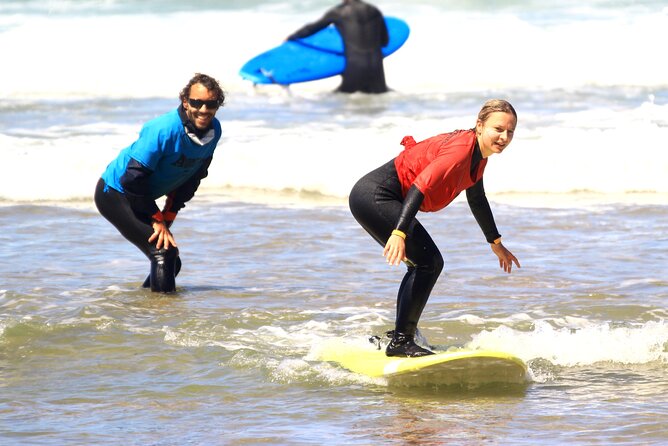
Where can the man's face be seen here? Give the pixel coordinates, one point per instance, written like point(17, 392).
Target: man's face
point(198, 112)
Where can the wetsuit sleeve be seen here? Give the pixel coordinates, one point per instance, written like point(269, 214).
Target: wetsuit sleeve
point(136, 187)
point(479, 205)
point(312, 28)
point(177, 199)
point(410, 208)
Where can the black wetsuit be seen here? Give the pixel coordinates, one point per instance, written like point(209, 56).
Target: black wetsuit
point(377, 203)
point(364, 34)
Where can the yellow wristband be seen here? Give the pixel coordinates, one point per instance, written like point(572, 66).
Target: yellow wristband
point(497, 241)
point(399, 233)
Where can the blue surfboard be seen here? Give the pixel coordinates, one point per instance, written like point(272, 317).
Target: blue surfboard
point(314, 57)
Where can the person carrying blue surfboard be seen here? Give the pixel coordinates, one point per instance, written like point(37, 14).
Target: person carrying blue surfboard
point(427, 176)
point(170, 158)
point(364, 33)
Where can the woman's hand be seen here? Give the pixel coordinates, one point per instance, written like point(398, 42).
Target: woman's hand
point(162, 236)
point(506, 258)
point(395, 250)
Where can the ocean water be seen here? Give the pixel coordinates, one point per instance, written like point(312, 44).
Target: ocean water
point(275, 265)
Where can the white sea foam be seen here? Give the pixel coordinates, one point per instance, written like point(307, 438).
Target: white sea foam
point(573, 154)
point(585, 343)
point(145, 55)
point(591, 115)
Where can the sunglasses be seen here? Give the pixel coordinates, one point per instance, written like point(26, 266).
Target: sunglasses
point(197, 103)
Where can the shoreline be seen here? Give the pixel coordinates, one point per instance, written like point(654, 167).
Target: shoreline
point(302, 199)
point(579, 199)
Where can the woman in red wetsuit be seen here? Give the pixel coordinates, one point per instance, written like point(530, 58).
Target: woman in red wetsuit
point(427, 176)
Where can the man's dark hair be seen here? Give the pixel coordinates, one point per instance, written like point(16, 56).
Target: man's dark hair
point(209, 83)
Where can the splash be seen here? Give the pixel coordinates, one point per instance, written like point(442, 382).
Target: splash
point(583, 344)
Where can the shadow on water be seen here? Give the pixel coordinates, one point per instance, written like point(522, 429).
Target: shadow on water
point(443, 415)
point(190, 289)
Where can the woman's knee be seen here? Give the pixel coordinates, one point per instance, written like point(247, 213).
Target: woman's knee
point(437, 263)
point(428, 261)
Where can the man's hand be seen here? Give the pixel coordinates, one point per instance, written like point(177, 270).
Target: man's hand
point(161, 236)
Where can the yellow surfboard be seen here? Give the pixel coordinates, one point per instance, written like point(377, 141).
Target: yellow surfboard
point(458, 367)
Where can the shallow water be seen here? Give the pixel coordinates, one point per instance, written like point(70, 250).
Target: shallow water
point(89, 357)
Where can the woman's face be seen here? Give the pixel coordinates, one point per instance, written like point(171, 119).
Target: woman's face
point(495, 133)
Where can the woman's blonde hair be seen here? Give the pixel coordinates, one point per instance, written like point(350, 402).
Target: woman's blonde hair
point(493, 106)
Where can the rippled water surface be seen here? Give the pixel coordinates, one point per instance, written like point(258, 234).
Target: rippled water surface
point(86, 356)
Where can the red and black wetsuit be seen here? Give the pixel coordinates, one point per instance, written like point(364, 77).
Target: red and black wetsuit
point(426, 176)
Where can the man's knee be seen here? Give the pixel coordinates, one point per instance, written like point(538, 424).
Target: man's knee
point(164, 269)
point(164, 255)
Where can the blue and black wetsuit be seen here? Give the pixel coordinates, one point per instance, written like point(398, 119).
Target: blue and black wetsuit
point(169, 158)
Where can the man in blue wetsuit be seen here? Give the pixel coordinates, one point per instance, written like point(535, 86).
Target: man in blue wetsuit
point(364, 33)
point(170, 158)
